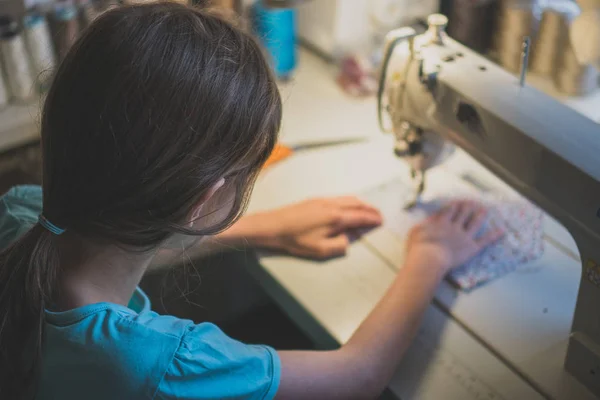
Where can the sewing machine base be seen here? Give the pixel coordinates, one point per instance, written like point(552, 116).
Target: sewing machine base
point(583, 361)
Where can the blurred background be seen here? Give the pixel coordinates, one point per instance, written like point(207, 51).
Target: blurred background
point(346, 34)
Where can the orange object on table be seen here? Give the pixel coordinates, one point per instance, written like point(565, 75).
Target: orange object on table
point(280, 152)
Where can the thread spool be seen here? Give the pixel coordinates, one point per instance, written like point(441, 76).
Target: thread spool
point(41, 51)
point(472, 23)
point(276, 28)
point(584, 34)
point(580, 84)
point(16, 60)
point(567, 60)
point(569, 74)
point(511, 60)
point(586, 5)
point(573, 78)
point(518, 19)
point(553, 30)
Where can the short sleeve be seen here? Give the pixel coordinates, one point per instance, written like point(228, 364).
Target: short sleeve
point(19, 209)
point(210, 365)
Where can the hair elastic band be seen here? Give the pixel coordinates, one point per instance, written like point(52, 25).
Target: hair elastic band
point(50, 226)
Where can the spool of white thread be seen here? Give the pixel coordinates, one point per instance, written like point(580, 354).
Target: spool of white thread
point(549, 42)
point(16, 61)
point(41, 51)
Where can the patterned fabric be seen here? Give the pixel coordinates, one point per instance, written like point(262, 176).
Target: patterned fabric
point(522, 243)
point(522, 222)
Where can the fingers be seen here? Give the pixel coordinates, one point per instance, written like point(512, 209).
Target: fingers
point(491, 237)
point(468, 214)
point(353, 202)
point(464, 212)
point(349, 212)
point(333, 246)
point(476, 222)
point(472, 216)
point(448, 212)
point(354, 219)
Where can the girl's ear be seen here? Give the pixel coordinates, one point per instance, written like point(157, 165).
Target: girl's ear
point(196, 211)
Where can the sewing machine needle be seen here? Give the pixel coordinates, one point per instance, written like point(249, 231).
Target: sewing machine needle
point(524, 59)
point(412, 203)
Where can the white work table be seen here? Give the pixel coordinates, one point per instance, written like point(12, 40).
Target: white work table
point(505, 340)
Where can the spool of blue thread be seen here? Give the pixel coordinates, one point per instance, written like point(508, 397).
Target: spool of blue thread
point(276, 28)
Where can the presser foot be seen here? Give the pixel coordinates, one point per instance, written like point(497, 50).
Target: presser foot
point(419, 179)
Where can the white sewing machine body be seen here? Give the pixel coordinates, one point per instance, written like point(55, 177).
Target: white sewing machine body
point(505, 340)
point(543, 149)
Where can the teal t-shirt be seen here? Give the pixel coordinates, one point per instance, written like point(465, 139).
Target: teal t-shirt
point(109, 351)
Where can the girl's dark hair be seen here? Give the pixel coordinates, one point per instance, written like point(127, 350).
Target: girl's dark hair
point(150, 108)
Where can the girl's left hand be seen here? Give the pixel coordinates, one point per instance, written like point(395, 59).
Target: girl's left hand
point(316, 228)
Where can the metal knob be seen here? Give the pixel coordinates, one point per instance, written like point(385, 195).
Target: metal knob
point(437, 28)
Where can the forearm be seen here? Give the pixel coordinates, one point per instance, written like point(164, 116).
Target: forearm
point(383, 338)
point(363, 367)
point(250, 231)
point(255, 230)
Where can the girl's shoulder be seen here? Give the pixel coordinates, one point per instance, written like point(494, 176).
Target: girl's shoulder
point(212, 363)
point(161, 355)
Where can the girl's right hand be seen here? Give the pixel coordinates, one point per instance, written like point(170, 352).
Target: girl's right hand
point(448, 238)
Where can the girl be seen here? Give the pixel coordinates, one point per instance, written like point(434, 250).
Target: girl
point(156, 125)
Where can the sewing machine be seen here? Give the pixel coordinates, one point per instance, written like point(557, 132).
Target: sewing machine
point(438, 94)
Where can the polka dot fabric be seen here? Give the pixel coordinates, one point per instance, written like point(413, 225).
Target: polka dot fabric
point(522, 243)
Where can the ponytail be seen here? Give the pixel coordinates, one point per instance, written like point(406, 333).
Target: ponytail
point(28, 270)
